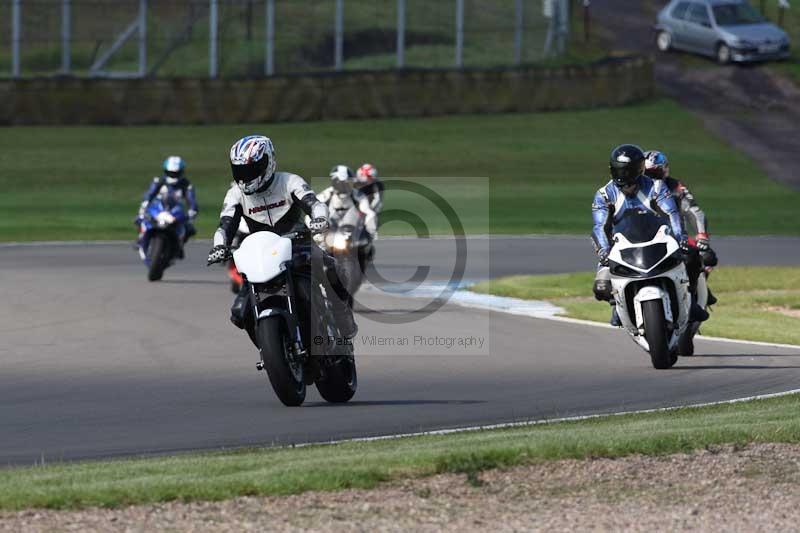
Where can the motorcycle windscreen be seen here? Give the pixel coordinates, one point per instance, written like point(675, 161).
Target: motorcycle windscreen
point(639, 226)
point(645, 257)
point(262, 255)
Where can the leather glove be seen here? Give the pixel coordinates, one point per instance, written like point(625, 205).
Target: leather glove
point(218, 254)
point(192, 214)
point(684, 244)
point(703, 242)
point(709, 258)
point(602, 256)
point(318, 225)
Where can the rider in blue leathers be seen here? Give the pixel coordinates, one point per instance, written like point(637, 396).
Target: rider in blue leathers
point(177, 186)
point(628, 189)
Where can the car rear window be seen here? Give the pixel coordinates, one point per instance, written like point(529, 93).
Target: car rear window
point(679, 11)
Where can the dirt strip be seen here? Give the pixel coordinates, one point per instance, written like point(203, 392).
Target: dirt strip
point(756, 488)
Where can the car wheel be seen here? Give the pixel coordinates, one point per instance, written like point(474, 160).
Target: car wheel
point(664, 41)
point(723, 54)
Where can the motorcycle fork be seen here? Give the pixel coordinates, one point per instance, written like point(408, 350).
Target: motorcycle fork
point(291, 301)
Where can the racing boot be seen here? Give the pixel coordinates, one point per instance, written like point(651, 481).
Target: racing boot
point(240, 306)
point(711, 298)
point(697, 313)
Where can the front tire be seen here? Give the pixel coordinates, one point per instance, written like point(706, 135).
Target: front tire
point(723, 54)
point(285, 376)
point(663, 41)
point(349, 271)
point(157, 250)
point(655, 331)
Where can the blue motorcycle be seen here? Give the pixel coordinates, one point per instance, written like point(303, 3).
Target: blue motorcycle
point(162, 232)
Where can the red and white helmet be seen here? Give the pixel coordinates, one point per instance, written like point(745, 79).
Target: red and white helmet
point(656, 165)
point(366, 175)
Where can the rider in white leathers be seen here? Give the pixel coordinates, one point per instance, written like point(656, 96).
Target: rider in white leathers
point(341, 196)
point(278, 202)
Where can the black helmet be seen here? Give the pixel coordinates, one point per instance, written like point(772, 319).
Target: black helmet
point(626, 164)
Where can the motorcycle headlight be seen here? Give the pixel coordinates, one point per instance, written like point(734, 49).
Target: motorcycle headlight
point(164, 219)
point(340, 241)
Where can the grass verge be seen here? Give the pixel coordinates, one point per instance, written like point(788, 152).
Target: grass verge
point(73, 183)
point(755, 303)
point(217, 476)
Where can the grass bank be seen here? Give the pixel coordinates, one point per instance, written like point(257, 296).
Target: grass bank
point(755, 303)
point(86, 182)
point(217, 476)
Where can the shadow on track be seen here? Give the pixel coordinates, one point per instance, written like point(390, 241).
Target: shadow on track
point(735, 367)
point(730, 355)
point(368, 403)
point(195, 281)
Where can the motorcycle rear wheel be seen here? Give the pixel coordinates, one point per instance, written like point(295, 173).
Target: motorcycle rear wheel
point(285, 377)
point(655, 332)
point(157, 250)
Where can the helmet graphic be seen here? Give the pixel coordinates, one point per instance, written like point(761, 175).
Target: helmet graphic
point(252, 162)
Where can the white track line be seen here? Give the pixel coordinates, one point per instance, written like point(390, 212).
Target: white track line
point(537, 309)
point(527, 423)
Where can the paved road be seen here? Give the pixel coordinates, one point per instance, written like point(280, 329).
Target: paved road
point(98, 362)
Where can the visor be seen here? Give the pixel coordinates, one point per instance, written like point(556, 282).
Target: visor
point(342, 186)
point(250, 171)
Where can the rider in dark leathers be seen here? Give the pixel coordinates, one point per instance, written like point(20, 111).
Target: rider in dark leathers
point(656, 167)
point(278, 202)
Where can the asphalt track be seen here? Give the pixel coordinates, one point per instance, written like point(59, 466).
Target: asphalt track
point(97, 362)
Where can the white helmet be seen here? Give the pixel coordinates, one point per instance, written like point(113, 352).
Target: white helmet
point(252, 162)
point(342, 178)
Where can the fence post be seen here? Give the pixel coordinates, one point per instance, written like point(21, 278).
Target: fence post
point(519, 17)
point(212, 39)
point(66, 37)
point(142, 38)
point(401, 33)
point(338, 52)
point(459, 33)
point(563, 30)
point(269, 66)
point(16, 34)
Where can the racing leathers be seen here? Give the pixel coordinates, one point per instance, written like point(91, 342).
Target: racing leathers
point(181, 190)
point(374, 193)
point(694, 220)
point(340, 203)
point(280, 207)
point(609, 206)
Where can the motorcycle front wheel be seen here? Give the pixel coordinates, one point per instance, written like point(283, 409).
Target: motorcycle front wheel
point(157, 250)
point(285, 375)
point(655, 332)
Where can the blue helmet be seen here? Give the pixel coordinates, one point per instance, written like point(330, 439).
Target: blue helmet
point(174, 167)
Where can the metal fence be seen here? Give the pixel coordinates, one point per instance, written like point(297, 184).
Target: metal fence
point(257, 38)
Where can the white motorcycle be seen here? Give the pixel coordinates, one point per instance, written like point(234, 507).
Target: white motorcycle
point(651, 287)
point(290, 309)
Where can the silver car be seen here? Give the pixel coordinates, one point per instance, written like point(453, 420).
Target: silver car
point(728, 30)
